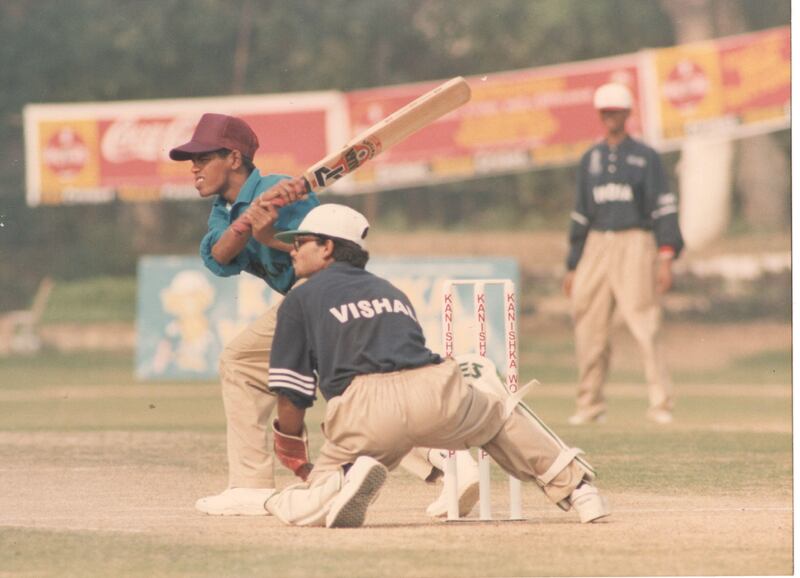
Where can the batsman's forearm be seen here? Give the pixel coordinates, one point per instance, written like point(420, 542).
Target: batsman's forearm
point(230, 244)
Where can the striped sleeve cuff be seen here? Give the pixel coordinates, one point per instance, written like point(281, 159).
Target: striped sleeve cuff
point(578, 218)
point(288, 379)
point(667, 205)
point(664, 211)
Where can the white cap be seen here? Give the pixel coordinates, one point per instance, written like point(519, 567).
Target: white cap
point(613, 96)
point(331, 220)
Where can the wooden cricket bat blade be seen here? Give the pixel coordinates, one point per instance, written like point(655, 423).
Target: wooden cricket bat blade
point(388, 132)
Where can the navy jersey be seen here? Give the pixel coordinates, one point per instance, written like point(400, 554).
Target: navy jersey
point(619, 188)
point(343, 322)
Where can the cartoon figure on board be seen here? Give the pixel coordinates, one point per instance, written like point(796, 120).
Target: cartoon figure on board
point(187, 338)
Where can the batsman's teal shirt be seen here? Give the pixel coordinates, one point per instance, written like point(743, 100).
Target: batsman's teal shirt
point(271, 265)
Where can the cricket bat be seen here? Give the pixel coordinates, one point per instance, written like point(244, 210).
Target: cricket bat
point(388, 132)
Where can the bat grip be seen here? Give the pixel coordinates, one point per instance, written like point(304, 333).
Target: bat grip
point(278, 203)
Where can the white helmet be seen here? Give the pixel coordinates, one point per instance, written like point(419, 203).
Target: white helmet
point(613, 96)
point(331, 220)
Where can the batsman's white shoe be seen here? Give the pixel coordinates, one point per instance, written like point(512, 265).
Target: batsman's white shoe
point(236, 502)
point(362, 484)
point(468, 489)
point(589, 504)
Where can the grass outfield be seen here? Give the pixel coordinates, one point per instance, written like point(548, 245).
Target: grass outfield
point(99, 473)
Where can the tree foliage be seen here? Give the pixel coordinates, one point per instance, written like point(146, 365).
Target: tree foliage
point(102, 50)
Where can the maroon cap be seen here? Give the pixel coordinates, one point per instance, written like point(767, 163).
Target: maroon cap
point(218, 131)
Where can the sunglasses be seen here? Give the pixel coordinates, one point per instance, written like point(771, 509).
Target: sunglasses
point(300, 241)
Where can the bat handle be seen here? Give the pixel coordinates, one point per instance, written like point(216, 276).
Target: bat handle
point(278, 202)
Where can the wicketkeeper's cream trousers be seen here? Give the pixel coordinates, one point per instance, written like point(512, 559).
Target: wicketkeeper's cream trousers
point(386, 415)
point(617, 271)
point(249, 405)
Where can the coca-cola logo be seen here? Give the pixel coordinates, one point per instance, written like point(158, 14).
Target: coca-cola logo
point(65, 153)
point(135, 139)
point(686, 85)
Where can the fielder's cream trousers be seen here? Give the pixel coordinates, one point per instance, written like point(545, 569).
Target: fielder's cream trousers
point(617, 271)
point(386, 415)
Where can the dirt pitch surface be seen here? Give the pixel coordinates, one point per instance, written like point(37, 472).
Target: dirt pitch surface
point(88, 503)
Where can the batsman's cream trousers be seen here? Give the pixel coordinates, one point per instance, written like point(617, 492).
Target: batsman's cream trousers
point(617, 271)
point(244, 370)
point(386, 415)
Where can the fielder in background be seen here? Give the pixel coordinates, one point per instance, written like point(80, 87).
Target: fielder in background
point(623, 237)
point(355, 337)
point(248, 209)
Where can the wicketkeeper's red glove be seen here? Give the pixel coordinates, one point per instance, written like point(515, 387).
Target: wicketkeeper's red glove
point(292, 451)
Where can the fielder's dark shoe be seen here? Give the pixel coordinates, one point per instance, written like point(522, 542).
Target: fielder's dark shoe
point(362, 484)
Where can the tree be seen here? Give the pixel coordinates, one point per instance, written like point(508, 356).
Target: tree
point(103, 50)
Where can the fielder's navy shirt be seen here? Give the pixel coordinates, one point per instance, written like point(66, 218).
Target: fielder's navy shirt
point(343, 322)
point(619, 188)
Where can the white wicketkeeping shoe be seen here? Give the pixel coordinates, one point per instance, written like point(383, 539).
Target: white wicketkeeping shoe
point(468, 488)
point(236, 502)
point(362, 484)
point(589, 504)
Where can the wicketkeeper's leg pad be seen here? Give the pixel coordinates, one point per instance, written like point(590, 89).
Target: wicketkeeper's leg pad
point(482, 374)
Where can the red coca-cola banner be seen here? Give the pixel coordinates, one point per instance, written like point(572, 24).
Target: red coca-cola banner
point(106, 151)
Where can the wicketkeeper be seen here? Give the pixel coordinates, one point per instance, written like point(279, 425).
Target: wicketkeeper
point(355, 338)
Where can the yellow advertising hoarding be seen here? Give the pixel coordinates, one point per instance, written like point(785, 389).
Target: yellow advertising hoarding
point(732, 85)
